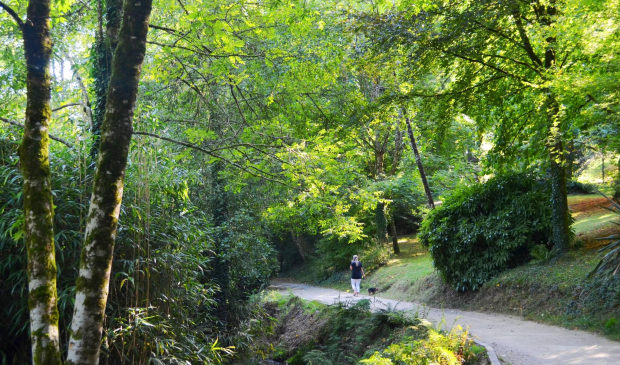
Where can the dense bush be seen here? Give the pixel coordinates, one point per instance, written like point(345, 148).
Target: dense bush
point(484, 229)
point(576, 187)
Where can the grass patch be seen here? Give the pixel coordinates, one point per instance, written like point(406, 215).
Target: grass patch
point(593, 222)
point(593, 174)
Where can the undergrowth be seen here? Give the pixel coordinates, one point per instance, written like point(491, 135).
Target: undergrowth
point(287, 329)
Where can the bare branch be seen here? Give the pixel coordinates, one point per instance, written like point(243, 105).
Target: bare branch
point(66, 106)
point(260, 174)
point(169, 30)
point(57, 139)
point(318, 107)
point(12, 13)
point(232, 92)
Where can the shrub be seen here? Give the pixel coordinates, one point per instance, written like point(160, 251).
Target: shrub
point(576, 187)
point(484, 229)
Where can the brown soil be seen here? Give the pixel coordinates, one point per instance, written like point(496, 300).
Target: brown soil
point(591, 205)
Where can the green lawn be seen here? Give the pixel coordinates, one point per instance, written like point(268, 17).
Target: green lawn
point(594, 222)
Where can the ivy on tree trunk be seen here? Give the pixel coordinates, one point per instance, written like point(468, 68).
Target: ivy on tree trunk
point(96, 259)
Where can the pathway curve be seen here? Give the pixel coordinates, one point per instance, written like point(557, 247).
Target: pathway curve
point(516, 341)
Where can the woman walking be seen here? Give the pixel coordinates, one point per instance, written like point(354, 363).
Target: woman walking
point(357, 273)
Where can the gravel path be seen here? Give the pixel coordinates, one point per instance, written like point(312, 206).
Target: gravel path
point(516, 341)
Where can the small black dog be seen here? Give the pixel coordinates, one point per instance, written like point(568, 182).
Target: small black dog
point(372, 291)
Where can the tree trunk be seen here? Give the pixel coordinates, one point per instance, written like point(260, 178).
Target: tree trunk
point(617, 183)
point(560, 216)
point(381, 222)
point(603, 166)
point(298, 239)
point(418, 161)
point(38, 204)
point(395, 245)
point(96, 259)
point(104, 46)
point(398, 142)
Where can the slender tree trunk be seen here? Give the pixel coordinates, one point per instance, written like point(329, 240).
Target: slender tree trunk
point(398, 142)
point(395, 245)
point(38, 204)
point(603, 165)
point(298, 239)
point(103, 49)
point(418, 161)
point(381, 222)
point(617, 182)
point(96, 259)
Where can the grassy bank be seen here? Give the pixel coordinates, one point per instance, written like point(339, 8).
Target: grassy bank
point(288, 330)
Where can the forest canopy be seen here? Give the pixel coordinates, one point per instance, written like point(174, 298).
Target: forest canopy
point(161, 160)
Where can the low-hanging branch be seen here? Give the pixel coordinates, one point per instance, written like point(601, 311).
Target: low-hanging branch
point(260, 174)
point(57, 139)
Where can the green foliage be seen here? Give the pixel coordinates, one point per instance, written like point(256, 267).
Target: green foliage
point(481, 230)
point(541, 253)
point(576, 187)
point(69, 210)
point(610, 263)
point(352, 333)
point(437, 348)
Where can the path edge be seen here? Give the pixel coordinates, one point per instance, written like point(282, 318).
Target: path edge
point(490, 352)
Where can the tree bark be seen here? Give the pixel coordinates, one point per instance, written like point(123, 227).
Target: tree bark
point(38, 203)
point(96, 259)
point(104, 46)
point(418, 161)
point(560, 216)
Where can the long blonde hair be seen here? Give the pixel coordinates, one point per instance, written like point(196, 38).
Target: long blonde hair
point(356, 260)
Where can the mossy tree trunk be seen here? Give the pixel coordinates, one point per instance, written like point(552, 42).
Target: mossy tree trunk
point(38, 204)
point(96, 259)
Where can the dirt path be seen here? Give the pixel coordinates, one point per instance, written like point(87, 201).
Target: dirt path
point(516, 341)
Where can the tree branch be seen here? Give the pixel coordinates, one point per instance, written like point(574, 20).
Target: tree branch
point(318, 107)
point(66, 106)
point(260, 174)
point(13, 14)
point(57, 139)
point(524, 38)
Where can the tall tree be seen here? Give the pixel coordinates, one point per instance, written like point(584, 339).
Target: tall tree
point(96, 260)
point(490, 56)
point(103, 49)
point(38, 202)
